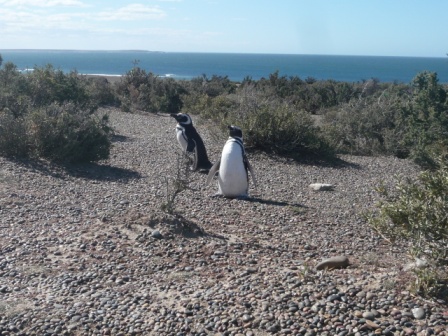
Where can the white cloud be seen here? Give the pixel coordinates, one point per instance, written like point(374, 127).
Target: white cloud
point(15, 20)
point(26, 27)
point(42, 3)
point(133, 12)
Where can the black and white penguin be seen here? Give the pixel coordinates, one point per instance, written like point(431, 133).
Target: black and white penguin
point(191, 142)
point(233, 168)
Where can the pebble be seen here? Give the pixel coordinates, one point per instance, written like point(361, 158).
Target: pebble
point(321, 186)
point(88, 250)
point(156, 234)
point(418, 313)
point(334, 262)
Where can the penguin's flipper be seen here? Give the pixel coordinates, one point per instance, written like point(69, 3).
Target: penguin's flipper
point(191, 145)
point(213, 170)
point(249, 168)
point(195, 156)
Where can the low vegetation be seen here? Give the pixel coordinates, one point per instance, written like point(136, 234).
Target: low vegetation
point(143, 91)
point(417, 212)
point(54, 115)
point(51, 115)
point(284, 115)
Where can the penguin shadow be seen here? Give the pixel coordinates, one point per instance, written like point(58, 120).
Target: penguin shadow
point(256, 199)
point(272, 202)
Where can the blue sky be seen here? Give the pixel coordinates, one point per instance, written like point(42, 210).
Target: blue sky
point(328, 27)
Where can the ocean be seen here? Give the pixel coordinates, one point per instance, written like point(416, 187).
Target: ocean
point(236, 67)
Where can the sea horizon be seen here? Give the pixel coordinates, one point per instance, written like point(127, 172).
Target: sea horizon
point(235, 66)
point(207, 52)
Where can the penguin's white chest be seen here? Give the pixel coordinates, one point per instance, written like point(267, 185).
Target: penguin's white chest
point(181, 137)
point(232, 178)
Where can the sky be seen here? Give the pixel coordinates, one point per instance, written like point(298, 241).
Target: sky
point(316, 27)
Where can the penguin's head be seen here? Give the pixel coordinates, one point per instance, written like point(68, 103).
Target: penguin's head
point(235, 132)
point(182, 118)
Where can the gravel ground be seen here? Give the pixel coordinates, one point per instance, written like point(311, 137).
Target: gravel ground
point(86, 250)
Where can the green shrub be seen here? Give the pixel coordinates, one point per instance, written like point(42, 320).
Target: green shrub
point(48, 85)
point(209, 108)
point(310, 94)
point(425, 119)
point(67, 134)
point(366, 126)
point(401, 120)
point(140, 90)
point(20, 92)
point(49, 114)
point(212, 87)
point(268, 125)
point(280, 129)
point(417, 212)
point(14, 90)
point(100, 91)
point(14, 141)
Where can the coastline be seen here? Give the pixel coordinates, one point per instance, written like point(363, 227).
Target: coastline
point(234, 66)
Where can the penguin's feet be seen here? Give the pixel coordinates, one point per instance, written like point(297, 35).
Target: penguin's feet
point(216, 195)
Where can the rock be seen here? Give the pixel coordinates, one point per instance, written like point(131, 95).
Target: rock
point(156, 234)
point(321, 186)
point(334, 297)
point(371, 324)
point(419, 263)
point(368, 315)
point(419, 313)
point(408, 331)
point(114, 277)
point(247, 318)
point(334, 262)
point(357, 313)
point(273, 328)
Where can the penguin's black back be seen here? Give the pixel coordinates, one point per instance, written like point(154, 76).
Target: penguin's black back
point(202, 161)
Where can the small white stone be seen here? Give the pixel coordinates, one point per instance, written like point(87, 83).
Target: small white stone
point(419, 313)
point(419, 263)
point(321, 186)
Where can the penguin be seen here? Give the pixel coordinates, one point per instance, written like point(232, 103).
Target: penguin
point(191, 142)
point(233, 168)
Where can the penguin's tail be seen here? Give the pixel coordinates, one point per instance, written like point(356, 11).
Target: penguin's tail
point(205, 168)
